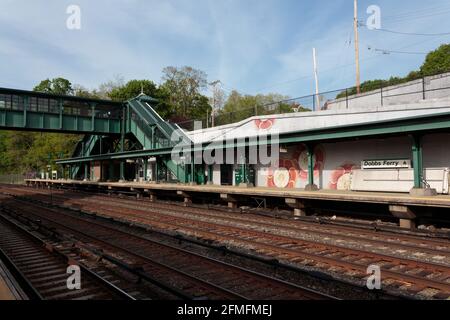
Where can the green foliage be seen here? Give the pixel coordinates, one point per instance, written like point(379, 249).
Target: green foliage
point(239, 107)
point(184, 86)
point(437, 61)
point(56, 85)
point(134, 87)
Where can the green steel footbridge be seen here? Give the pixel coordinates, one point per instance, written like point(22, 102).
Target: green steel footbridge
point(108, 128)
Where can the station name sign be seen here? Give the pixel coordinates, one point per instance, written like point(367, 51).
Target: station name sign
point(386, 164)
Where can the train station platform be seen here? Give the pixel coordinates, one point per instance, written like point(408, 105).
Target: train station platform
point(7, 289)
point(402, 206)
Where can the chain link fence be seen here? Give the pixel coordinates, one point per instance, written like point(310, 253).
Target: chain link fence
point(13, 178)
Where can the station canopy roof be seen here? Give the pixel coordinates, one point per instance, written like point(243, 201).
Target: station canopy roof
point(284, 124)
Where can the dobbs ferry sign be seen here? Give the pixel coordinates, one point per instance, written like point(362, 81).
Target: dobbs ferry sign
point(386, 164)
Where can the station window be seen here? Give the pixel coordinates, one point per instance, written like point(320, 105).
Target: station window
point(16, 102)
point(6, 101)
point(43, 105)
point(53, 106)
point(33, 104)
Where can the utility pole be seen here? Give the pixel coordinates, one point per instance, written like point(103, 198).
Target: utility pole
point(214, 85)
point(355, 26)
point(316, 78)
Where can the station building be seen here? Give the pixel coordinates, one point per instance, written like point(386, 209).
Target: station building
point(390, 147)
point(394, 148)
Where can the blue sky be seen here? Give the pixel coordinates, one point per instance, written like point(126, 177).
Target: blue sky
point(254, 46)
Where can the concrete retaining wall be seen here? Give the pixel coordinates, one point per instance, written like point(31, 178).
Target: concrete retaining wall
point(436, 87)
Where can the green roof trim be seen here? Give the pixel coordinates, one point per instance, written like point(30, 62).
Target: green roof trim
point(406, 125)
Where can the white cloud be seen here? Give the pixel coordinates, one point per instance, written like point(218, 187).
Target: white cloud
point(249, 45)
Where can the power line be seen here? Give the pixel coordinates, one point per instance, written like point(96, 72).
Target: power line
point(413, 33)
point(322, 71)
point(417, 16)
point(385, 51)
point(420, 12)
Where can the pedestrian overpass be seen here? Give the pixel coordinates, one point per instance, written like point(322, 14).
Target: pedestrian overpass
point(108, 127)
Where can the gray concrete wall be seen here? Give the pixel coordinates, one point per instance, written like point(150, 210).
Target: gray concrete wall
point(436, 87)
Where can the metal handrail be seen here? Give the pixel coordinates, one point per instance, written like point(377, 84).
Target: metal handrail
point(347, 97)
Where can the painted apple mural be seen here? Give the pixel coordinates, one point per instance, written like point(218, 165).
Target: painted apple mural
point(288, 172)
point(340, 178)
point(264, 124)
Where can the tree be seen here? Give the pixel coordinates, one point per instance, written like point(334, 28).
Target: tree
point(217, 99)
point(105, 89)
point(437, 61)
point(134, 87)
point(80, 91)
point(184, 86)
point(56, 86)
point(239, 107)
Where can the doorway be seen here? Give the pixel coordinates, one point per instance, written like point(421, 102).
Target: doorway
point(226, 174)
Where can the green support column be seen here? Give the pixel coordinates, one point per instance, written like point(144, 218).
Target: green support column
point(192, 168)
point(101, 144)
point(85, 171)
point(122, 145)
point(417, 161)
point(145, 168)
point(93, 117)
point(26, 103)
point(156, 170)
point(122, 170)
point(82, 148)
point(244, 167)
point(61, 111)
point(101, 170)
point(242, 171)
point(310, 165)
point(128, 117)
point(122, 132)
point(421, 188)
point(153, 138)
point(310, 152)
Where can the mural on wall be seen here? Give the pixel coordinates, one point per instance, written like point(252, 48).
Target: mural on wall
point(291, 171)
point(340, 178)
point(265, 124)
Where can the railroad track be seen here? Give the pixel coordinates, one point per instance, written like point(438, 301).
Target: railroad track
point(199, 275)
point(436, 249)
point(433, 247)
point(398, 272)
point(414, 275)
point(430, 246)
point(42, 271)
